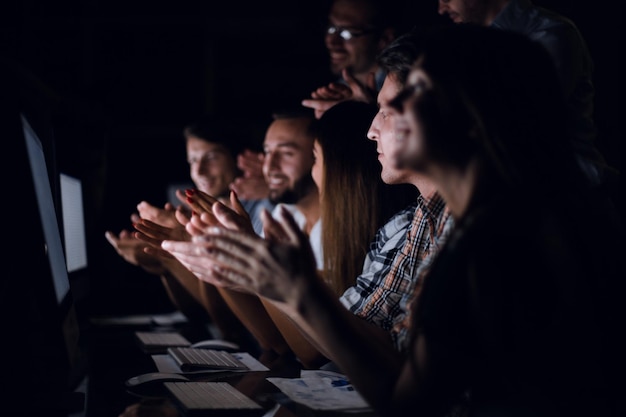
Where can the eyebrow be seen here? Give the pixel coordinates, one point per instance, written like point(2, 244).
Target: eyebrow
point(292, 145)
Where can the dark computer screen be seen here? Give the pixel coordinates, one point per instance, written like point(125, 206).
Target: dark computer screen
point(42, 340)
point(47, 212)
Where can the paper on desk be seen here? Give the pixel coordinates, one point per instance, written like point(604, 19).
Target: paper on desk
point(165, 363)
point(322, 390)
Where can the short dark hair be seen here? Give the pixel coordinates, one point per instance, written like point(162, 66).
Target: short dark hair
point(398, 57)
point(215, 129)
point(293, 113)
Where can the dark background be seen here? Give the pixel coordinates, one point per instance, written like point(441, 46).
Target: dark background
point(121, 78)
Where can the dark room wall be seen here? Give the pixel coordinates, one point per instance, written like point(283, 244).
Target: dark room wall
point(123, 77)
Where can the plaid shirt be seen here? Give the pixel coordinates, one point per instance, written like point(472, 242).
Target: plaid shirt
point(398, 258)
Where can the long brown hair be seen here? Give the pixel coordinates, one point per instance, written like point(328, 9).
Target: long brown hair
point(355, 201)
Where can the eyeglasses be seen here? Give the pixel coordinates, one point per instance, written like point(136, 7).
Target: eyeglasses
point(346, 34)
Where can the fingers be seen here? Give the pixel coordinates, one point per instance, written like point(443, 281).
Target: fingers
point(236, 218)
point(272, 230)
point(361, 92)
point(157, 252)
point(203, 258)
point(250, 188)
point(333, 91)
point(147, 239)
point(181, 196)
point(152, 229)
point(320, 106)
point(236, 205)
point(215, 239)
point(197, 224)
point(182, 216)
point(325, 97)
point(251, 163)
point(293, 233)
point(154, 233)
point(134, 218)
point(199, 201)
point(371, 81)
point(110, 236)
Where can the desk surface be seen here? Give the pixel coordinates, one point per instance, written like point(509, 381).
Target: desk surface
point(115, 356)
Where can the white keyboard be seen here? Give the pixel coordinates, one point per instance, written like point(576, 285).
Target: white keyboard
point(196, 397)
point(192, 359)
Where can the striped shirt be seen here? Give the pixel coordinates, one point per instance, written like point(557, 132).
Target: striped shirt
point(399, 256)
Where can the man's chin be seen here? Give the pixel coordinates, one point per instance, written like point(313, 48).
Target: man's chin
point(275, 197)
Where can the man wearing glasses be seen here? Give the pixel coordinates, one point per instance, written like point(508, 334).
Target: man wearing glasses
point(357, 31)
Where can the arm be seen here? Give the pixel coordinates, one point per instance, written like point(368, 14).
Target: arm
point(251, 312)
point(285, 273)
point(303, 346)
point(306, 342)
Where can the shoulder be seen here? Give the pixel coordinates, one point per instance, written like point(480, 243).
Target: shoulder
point(397, 225)
point(538, 23)
point(392, 235)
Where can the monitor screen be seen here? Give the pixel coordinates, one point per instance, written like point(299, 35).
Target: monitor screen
point(37, 304)
point(54, 247)
point(73, 218)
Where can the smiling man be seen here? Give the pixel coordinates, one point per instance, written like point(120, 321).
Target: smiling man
point(288, 149)
point(356, 32)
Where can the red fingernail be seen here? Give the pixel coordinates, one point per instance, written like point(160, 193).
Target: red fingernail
point(190, 191)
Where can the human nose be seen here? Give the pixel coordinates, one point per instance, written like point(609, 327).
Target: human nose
point(203, 166)
point(333, 38)
point(373, 133)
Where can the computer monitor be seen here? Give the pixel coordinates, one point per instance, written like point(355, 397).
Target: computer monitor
point(74, 234)
point(42, 332)
point(72, 214)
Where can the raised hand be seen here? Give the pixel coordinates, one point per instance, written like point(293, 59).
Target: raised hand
point(251, 185)
point(133, 251)
point(211, 212)
point(151, 235)
point(278, 270)
point(326, 97)
point(361, 92)
point(164, 216)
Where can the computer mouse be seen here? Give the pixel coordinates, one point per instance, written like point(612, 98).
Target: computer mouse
point(153, 379)
point(217, 344)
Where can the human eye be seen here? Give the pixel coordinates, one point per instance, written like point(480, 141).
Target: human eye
point(211, 156)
